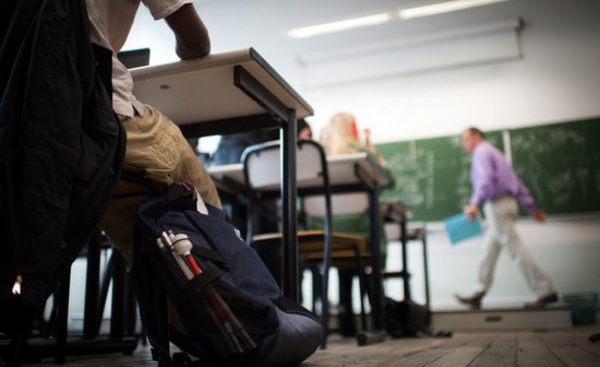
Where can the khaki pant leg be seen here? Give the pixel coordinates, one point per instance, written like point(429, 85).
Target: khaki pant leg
point(157, 151)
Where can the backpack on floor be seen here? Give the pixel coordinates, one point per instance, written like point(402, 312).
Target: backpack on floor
point(232, 309)
point(406, 318)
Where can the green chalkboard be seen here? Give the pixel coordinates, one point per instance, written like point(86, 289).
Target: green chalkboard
point(560, 164)
point(432, 175)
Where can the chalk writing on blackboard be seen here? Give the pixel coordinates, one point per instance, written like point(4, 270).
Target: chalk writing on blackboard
point(559, 163)
point(556, 164)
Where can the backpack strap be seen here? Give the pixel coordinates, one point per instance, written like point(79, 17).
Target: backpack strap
point(196, 284)
point(209, 254)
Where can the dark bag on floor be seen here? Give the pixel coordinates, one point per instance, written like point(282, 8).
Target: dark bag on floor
point(232, 308)
point(406, 318)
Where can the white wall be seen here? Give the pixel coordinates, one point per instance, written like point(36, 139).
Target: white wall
point(556, 79)
point(566, 248)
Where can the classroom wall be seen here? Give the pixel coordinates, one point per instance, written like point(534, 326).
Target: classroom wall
point(555, 78)
point(566, 248)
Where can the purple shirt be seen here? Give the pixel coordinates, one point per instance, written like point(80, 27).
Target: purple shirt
point(492, 177)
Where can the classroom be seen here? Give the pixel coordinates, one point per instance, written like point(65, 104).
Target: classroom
point(526, 72)
point(549, 75)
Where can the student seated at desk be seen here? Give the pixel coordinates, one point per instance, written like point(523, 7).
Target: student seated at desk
point(156, 149)
point(341, 136)
point(229, 151)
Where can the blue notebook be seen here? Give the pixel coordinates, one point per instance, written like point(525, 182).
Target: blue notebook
point(459, 228)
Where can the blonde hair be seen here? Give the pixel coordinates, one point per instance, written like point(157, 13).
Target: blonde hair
point(340, 136)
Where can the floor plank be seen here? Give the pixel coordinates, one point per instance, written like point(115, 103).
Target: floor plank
point(501, 352)
point(532, 352)
point(564, 348)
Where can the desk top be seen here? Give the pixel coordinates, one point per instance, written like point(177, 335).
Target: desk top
point(203, 89)
point(341, 171)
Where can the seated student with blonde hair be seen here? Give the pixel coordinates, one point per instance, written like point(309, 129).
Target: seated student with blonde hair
point(341, 136)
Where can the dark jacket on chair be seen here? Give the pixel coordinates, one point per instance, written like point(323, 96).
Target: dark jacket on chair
point(61, 146)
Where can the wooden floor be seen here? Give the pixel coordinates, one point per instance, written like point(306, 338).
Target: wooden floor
point(570, 348)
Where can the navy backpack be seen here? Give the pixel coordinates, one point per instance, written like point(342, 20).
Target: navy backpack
point(232, 309)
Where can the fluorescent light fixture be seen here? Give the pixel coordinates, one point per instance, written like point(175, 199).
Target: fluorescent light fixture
point(340, 25)
point(445, 7)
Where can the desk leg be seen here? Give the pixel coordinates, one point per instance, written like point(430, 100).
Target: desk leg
point(404, 242)
point(91, 319)
point(63, 318)
point(289, 215)
point(118, 297)
point(377, 334)
point(426, 272)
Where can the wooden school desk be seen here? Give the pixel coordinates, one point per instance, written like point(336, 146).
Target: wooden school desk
point(231, 92)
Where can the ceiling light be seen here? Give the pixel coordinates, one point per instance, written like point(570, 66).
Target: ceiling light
point(444, 7)
point(340, 25)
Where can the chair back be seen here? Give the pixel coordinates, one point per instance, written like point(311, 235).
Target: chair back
point(341, 204)
point(262, 165)
point(262, 173)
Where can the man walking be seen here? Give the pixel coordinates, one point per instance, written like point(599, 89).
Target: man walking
point(497, 189)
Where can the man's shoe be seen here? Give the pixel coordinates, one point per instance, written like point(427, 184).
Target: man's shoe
point(543, 301)
point(474, 302)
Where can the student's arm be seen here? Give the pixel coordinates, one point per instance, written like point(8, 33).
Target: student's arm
point(190, 32)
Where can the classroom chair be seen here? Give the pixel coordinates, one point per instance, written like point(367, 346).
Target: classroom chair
point(324, 247)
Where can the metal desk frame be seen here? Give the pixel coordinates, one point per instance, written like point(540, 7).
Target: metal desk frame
point(241, 92)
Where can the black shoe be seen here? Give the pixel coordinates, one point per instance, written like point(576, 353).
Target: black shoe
point(543, 301)
point(474, 301)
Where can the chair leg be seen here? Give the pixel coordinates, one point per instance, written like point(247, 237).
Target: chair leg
point(426, 272)
point(325, 302)
point(19, 330)
point(62, 318)
point(362, 282)
point(347, 318)
point(50, 328)
point(17, 346)
point(363, 291)
point(316, 285)
point(117, 323)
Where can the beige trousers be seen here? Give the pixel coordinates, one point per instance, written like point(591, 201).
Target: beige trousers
point(156, 151)
point(501, 216)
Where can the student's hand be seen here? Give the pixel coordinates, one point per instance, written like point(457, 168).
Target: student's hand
point(539, 216)
point(471, 211)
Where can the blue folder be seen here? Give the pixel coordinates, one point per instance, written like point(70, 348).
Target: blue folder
point(459, 228)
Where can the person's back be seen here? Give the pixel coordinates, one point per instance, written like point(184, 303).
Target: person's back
point(232, 146)
point(230, 150)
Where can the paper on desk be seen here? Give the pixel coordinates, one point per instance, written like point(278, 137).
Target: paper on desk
point(459, 228)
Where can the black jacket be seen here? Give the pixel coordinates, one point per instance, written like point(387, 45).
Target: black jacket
point(61, 146)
